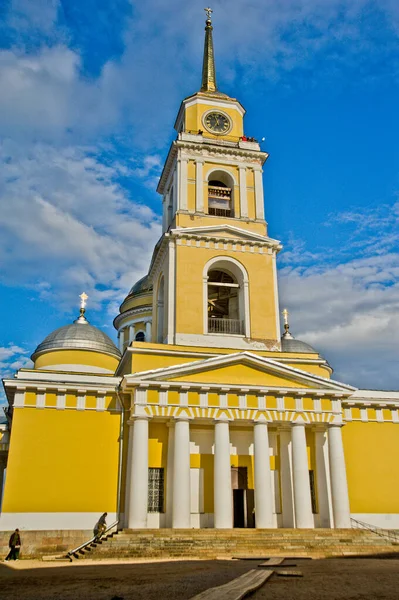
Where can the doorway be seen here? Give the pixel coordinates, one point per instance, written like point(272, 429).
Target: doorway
point(243, 498)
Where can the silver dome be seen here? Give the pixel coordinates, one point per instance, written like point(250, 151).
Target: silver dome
point(78, 336)
point(290, 344)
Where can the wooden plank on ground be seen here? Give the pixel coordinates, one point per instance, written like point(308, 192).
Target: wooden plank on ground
point(238, 588)
point(289, 573)
point(249, 557)
point(272, 562)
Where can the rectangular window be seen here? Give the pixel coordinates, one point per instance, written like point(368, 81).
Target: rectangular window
point(156, 490)
point(313, 492)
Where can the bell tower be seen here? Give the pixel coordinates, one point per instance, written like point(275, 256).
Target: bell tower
point(214, 271)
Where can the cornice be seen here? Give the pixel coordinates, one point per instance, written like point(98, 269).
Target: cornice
point(132, 311)
point(209, 149)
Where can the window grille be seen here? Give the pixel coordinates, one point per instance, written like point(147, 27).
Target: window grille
point(155, 490)
point(140, 336)
point(313, 492)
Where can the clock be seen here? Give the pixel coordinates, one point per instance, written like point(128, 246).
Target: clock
point(217, 122)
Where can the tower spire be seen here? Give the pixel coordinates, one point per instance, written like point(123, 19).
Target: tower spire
point(208, 67)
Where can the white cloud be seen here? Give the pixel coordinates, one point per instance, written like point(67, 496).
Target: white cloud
point(67, 224)
point(349, 309)
point(12, 357)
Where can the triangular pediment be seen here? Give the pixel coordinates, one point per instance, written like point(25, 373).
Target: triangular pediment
point(226, 231)
point(243, 369)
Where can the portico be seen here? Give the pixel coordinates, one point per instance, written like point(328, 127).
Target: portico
point(286, 443)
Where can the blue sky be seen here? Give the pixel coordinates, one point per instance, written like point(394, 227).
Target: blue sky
point(89, 95)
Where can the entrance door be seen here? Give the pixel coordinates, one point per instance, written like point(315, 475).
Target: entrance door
point(239, 508)
point(239, 484)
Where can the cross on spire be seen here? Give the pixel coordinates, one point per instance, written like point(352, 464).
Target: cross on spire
point(209, 12)
point(208, 67)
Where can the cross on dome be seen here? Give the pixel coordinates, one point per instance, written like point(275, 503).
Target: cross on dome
point(83, 297)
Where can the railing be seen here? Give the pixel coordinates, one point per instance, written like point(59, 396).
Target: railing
point(219, 192)
point(232, 326)
point(91, 541)
point(390, 534)
point(230, 138)
point(219, 212)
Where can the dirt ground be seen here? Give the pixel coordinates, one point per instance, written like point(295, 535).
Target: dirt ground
point(324, 579)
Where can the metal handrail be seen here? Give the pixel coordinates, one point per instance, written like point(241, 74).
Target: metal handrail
point(232, 326)
point(93, 539)
point(385, 533)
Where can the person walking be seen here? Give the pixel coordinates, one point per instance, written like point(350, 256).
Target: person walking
point(14, 545)
point(100, 526)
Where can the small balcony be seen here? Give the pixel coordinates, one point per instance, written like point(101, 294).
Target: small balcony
point(225, 326)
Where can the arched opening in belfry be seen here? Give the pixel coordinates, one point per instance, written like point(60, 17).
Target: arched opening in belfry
point(160, 310)
point(220, 194)
point(223, 303)
point(140, 336)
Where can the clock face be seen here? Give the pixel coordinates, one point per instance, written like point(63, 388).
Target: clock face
point(217, 122)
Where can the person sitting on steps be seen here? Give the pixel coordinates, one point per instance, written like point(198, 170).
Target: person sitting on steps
point(100, 526)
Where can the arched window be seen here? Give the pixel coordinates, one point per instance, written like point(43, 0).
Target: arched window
point(220, 194)
point(140, 336)
point(227, 297)
point(223, 308)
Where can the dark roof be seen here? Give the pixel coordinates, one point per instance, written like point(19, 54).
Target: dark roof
point(141, 286)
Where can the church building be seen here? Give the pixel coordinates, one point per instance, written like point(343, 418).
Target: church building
point(209, 413)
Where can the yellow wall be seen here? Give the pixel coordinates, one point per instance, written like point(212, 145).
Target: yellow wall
point(372, 455)
point(185, 220)
point(62, 461)
point(76, 357)
point(136, 302)
point(195, 112)
point(136, 362)
point(189, 283)
point(237, 374)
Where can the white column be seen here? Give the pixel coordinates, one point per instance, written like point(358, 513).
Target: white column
point(322, 477)
point(259, 200)
point(120, 340)
point(287, 494)
point(199, 186)
point(263, 477)
point(148, 332)
point(131, 333)
point(183, 183)
point(137, 494)
point(169, 473)
point(181, 475)
point(223, 495)
point(174, 199)
point(243, 192)
point(339, 485)
point(165, 205)
point(300, 471)
point(171, 293)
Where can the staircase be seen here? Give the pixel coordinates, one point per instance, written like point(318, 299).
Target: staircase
point(87, 547)
point(211, 543)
